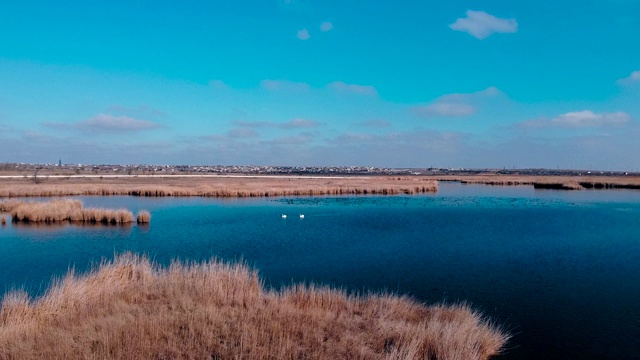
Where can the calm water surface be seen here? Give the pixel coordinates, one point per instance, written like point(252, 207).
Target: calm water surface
point(559, 270)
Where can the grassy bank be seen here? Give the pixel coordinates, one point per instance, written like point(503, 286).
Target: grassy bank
point(67, 210)
point(549, 182)
point(130, 309)
point(215, 187)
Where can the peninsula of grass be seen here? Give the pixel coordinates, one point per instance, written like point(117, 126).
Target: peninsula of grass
point(68, 210)
point(130, 308)
point(215, 186)
point(578, 182)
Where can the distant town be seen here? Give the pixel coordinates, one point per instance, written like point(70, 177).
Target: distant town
point(103, 169)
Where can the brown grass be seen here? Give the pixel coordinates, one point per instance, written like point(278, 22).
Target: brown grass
point(549, 182)
point(131, 309)
point(216, 187)
point(9, 204)
point(68, 210)
point(3, 220)
point(143, 217)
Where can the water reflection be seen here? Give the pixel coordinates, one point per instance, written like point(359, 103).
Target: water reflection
point(23, 225)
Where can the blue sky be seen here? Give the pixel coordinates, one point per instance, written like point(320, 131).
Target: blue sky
point(307, 82)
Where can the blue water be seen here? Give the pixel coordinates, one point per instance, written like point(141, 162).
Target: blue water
point(559, 270)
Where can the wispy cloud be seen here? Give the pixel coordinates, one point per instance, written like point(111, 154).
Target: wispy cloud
point(303, 34)
point(242, 132)
point(580, 119)
point(218, 85)
point(137, 111)
point(106, 123)
point(375, 123)
point(481, 25)
point(326, 26)
point(455, 105)
point(342, 87)
point(291, 140)
point(445, 109)
point(634, 77)
point(284, 85)
point(297, 123)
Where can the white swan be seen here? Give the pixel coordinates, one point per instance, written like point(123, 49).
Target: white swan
point(284, 216)
point(301, 216)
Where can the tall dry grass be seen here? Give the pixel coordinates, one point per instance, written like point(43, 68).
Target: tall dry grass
point(577, 182)
point(8, 205)
point(217, 187)
point(143, 217)
point(131, 309)
point(68, 210)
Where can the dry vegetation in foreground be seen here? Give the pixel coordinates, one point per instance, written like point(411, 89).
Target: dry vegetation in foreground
point(131, 309)
point(548, 182)
point(216, 187)
point(64, 210)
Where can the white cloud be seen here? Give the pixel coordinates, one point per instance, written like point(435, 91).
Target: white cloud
point(326, 26)
point(457, 104)
point(580, 119)
point(342, 87)
point(296, 123)
point(242, 133)
point(481, 25)
point(218, 85)
point(299, 123)
point(634, 77)
point(284, 85)
point(106, 122)
point(303, 34)
point(375, 123)
point(445, 109)
point(142, 110)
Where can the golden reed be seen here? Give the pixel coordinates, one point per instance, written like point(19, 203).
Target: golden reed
point(218, 187)
point(131, 309)
point(65, 210)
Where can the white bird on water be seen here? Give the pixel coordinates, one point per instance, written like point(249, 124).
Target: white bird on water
point(301, 216)
point(284, 216)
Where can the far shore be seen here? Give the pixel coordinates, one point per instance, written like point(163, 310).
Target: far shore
point(250, 185)
point(211, 186)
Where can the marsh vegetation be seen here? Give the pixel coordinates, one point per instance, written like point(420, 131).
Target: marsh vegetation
point(130, 308)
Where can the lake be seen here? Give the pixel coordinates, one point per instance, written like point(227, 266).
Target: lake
point(559, 270)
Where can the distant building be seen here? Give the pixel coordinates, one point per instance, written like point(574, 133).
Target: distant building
point(60, 162)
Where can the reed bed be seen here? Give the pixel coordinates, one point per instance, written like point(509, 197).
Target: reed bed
point(217, 187)
point(68, 210)
point(549, 182)
point(3, 220)
point(130, 308)
point(8, 205)
point(143, 217)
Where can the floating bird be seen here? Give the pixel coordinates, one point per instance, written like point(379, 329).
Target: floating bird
point(301, 216)
point(284, 216)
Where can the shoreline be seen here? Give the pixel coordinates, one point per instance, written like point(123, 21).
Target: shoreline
point(578, 182)
point(212, 186)
point(250, 185)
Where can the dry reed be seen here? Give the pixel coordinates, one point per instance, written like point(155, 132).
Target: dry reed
point(143, 217)
point(68, 210)
point(3, 220)
point(132, 309)
point(8, 205)
point(577, 182)
point(218, 187)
